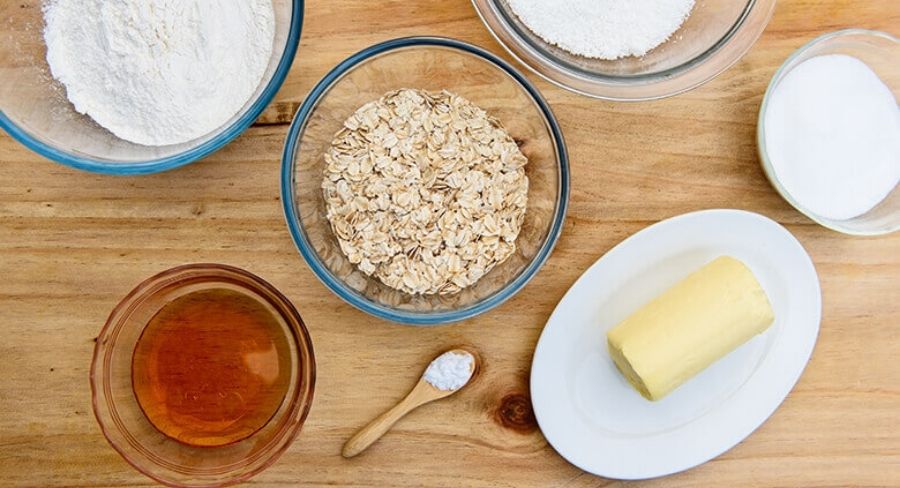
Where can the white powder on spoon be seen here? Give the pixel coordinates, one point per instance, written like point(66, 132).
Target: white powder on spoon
point(832, 131)
point(450, 371)
point(158, 72)
point(605, 29)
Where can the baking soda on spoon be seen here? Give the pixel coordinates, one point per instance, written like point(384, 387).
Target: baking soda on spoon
point(450, 371)
point(832, 136)
point(445, 375)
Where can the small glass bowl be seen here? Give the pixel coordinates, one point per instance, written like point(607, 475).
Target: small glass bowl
point(715, 36)
point(130, 432)
point(881, 52)
point(35, 111)
point(429, 63)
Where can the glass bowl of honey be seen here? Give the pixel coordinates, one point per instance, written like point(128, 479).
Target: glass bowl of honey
point(202, 376)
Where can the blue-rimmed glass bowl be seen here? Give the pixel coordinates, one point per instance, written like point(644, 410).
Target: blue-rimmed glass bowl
point(433, 64)
point(34, 109)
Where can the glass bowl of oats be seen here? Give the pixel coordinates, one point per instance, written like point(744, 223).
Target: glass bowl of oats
point(425, 180)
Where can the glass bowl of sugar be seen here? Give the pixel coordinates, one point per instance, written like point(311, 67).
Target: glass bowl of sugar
point(829, 131)
point(152, 89)
point(626, 50)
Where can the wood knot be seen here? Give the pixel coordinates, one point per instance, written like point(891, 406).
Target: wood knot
point(515, 413)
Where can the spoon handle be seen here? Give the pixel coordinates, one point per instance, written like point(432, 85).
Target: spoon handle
point(373, 431)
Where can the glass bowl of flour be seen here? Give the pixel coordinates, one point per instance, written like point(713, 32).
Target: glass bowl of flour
point(829, 131)
point(626, 50)
point(138, 86)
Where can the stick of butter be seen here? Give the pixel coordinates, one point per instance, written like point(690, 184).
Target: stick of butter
point(693, 324)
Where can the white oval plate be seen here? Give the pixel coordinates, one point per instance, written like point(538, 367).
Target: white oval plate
point(592, 416)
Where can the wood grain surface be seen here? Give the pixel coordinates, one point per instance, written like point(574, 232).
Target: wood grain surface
point(73, 243)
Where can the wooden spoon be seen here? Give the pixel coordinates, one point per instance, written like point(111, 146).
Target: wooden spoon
point(424, 392)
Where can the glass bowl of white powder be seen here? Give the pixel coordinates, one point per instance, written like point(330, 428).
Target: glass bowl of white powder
point(138, 86)
point(829, 131)
point(429, 64)
point(626, 50)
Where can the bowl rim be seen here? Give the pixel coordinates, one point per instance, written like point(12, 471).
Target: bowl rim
point(185, 157)
point(790, 63)
point(302, 338)
point(351, 296)
point(597, 85)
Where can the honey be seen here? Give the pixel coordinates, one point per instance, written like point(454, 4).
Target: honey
point(211, 368)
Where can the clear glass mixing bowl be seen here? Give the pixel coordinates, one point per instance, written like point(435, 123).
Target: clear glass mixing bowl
point(715, 36)
point(881, 52)
point(35, 111)
point(433, 64)
point(128, 429)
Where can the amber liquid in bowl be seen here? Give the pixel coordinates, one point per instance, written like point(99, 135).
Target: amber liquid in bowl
point(211, 368)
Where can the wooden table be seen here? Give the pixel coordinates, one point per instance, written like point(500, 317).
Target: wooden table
point(72, 244)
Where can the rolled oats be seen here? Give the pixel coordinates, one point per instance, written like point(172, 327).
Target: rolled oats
point(425, 191)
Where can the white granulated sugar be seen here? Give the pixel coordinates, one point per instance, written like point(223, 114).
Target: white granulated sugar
point(158, 72)
point(832, 130)
point(605, 29)
point(449, 371)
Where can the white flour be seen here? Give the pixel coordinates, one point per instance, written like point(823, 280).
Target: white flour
point(449, 371)
point(159, 72)
point(605, 29)
point(832, 132)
